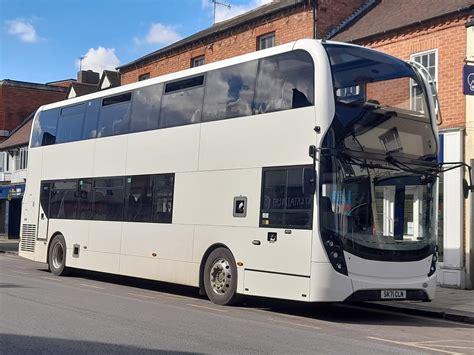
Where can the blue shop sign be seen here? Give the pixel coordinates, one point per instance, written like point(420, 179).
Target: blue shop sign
point(468, 79)
point(11, 191)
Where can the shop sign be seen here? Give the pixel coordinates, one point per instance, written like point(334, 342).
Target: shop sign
point(468, 79)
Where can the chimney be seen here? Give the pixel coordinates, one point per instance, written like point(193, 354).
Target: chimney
point(88, 77)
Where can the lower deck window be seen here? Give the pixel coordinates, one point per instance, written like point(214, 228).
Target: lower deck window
point(139, 198)
point(284, 205)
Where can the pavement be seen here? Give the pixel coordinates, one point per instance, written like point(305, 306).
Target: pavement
point(449, 303)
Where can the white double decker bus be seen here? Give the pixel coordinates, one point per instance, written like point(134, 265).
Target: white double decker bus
point(302, 172)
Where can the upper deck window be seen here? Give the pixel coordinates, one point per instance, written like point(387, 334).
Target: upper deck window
point(284, 82)
point(70, 123)
point(44, 128)
point(114, 115)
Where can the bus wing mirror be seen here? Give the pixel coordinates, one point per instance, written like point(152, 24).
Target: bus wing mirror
point(309, 181)
point(467, 188)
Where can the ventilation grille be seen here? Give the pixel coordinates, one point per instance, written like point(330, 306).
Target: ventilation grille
point(28, 236)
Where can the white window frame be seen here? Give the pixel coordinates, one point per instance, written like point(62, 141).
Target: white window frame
point(265, 37)
point(435, 79)
point(196, 61)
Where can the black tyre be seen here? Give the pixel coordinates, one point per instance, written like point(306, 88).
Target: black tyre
point(220, 277)
point(57, 256)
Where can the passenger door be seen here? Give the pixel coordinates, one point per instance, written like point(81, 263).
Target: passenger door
point(43, 211)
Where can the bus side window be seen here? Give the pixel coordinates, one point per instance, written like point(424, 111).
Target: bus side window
point(139, 198)
point(182, 102)
point(284, 204)
point(44, 128)
point(229, 92)
point(146, 108)
point(284, 82)
point(63, 204)
point(163, 190)
point(89, 129)
point(108, 199)
point(114, 115)
point(70, 124)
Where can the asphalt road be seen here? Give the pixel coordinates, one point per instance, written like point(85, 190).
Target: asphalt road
point(100, 313)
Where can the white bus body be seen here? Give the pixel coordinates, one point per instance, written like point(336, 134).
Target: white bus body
point(213, 166)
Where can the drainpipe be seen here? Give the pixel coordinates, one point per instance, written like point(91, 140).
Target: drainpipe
point(315, 11)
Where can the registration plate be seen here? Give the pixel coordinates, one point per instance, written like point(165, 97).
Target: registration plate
point(393, 294)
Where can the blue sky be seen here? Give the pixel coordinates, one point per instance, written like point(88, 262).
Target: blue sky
point(41, 40)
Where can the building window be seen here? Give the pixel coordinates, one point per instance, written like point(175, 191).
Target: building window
point(21, 158)
point(198, 61)
point(144, 77)
point(266, 41)
point(429, 60)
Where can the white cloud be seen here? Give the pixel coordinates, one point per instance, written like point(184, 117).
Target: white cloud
point(99, 59)
point(23, 29)
point(224, 13)
point(159, 34)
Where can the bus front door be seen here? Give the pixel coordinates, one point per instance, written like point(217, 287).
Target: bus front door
point(43, 211)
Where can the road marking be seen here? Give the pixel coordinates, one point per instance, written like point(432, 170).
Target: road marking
point(204, 307)
point(415, 345)
point(139, 295)
point(292, 323)
point(50, 278)
point(19, 272)
point(92, 286)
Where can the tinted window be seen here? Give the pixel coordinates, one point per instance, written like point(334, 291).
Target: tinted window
point(114, 115)
point(146, 108)
point(63, 200)
point(107, 199)
point(70, 124)
point(285, 81)
point(283, 201)
point(184, 84)
point(84, 199)
point(139, 198)
point(230, 92)
point(181, 107)
point(44, 197)
point(90, 121)
point(44, 128)
point(163, 187)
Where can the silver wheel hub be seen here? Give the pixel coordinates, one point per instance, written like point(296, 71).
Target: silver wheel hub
point(58, 255)
point(220, 276)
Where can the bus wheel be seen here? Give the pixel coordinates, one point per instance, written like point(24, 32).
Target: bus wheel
point(220, 277)
point(57, 256)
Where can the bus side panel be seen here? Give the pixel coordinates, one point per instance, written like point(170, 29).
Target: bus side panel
point(159, 251)
point(207, 197)
point(163, 151)
point(274, 139)
point(75, 232)
point(68, 160)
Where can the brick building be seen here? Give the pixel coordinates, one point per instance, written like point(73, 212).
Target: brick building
point(18, 102)
point(439, 35)
point(273, 24)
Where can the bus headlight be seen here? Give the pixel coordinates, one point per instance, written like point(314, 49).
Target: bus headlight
point(433, 264)
point(334, 250)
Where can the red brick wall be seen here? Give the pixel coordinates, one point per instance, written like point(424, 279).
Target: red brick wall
point(18, 102)
point(286, 29)
point(449, 38)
